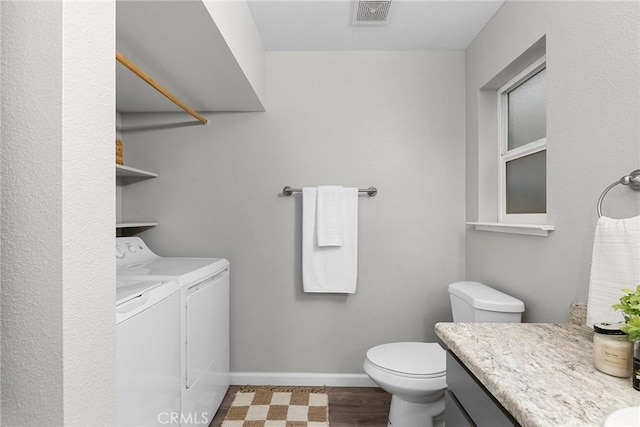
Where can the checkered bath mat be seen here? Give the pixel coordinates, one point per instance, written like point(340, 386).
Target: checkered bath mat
point(278, 407)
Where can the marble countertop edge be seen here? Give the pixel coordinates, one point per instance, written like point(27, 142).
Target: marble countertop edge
point(542, 373)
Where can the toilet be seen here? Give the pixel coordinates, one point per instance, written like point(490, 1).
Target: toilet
point(414, 373)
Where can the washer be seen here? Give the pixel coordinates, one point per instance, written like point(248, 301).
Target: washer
point(204, 321)
point(148, 351)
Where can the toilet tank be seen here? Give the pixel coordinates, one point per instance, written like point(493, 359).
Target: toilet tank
point(476, 302)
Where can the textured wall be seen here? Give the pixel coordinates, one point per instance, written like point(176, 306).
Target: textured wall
point(58, 335)
point(393, 120)
point(593, 138)
point(88, 213)
point(31, 376)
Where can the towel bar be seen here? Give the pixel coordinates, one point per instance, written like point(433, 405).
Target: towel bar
point(632, 180)
point(371, 191)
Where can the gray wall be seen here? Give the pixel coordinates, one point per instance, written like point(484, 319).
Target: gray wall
point(391, 120)
point(593, 139)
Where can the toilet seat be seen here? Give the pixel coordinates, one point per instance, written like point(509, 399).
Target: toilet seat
point(416, 360)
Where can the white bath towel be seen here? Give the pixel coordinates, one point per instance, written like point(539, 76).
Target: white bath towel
point(330, 215)
point(330, 269)
point(615, 265)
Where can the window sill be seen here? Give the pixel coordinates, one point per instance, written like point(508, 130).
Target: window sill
point(527, 229)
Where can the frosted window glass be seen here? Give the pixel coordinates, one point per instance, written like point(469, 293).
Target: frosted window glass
point(527, 184)
point(527, 121)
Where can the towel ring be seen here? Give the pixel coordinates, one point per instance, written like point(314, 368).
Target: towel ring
point(632, 180)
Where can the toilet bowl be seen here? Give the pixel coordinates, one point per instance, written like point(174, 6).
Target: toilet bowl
point(414, 373)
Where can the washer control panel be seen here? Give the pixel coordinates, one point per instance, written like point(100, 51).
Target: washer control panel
point(122, 251)
point(132, 250)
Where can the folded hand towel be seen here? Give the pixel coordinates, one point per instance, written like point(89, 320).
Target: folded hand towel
point(615, 264)
point(331, 269)
point(330, 216)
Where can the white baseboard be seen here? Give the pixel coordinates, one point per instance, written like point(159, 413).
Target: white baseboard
point(301, 379)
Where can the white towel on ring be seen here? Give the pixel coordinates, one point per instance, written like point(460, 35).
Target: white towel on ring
point(615, 265)
point(330, 269)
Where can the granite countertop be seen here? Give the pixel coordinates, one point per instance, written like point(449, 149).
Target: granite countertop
point(542, 373)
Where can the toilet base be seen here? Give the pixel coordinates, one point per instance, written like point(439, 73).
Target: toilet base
point(404, 413)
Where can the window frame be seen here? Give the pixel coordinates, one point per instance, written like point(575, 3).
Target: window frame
point(505, 155)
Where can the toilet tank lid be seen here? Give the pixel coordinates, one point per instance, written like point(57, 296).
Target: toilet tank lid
point(483, 297)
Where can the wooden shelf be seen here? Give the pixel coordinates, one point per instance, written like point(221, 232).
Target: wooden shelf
point(126, 175)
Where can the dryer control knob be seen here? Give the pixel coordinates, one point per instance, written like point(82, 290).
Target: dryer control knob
point(119, 252)
point(132, 248)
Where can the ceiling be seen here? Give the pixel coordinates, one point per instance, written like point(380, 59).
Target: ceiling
point(314, 25)
point(178, 45)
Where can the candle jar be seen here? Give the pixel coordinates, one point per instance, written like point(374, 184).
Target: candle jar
point(612, 351)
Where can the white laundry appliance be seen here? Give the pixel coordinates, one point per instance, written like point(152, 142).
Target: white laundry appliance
point(204, 321)
point(148, 351)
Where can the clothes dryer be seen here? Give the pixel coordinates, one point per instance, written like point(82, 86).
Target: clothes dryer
point(148, 354)
point(204, 321)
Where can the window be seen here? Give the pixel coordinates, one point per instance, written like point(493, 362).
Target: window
point(522, 105)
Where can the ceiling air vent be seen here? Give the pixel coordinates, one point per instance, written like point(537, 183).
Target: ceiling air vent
point(370, 12)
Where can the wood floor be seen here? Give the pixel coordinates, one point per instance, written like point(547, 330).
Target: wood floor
point(348, 406)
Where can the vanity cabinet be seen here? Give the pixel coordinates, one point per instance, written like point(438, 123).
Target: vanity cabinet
point(467, 401)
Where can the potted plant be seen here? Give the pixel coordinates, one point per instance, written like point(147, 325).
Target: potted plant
point(629, 305)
